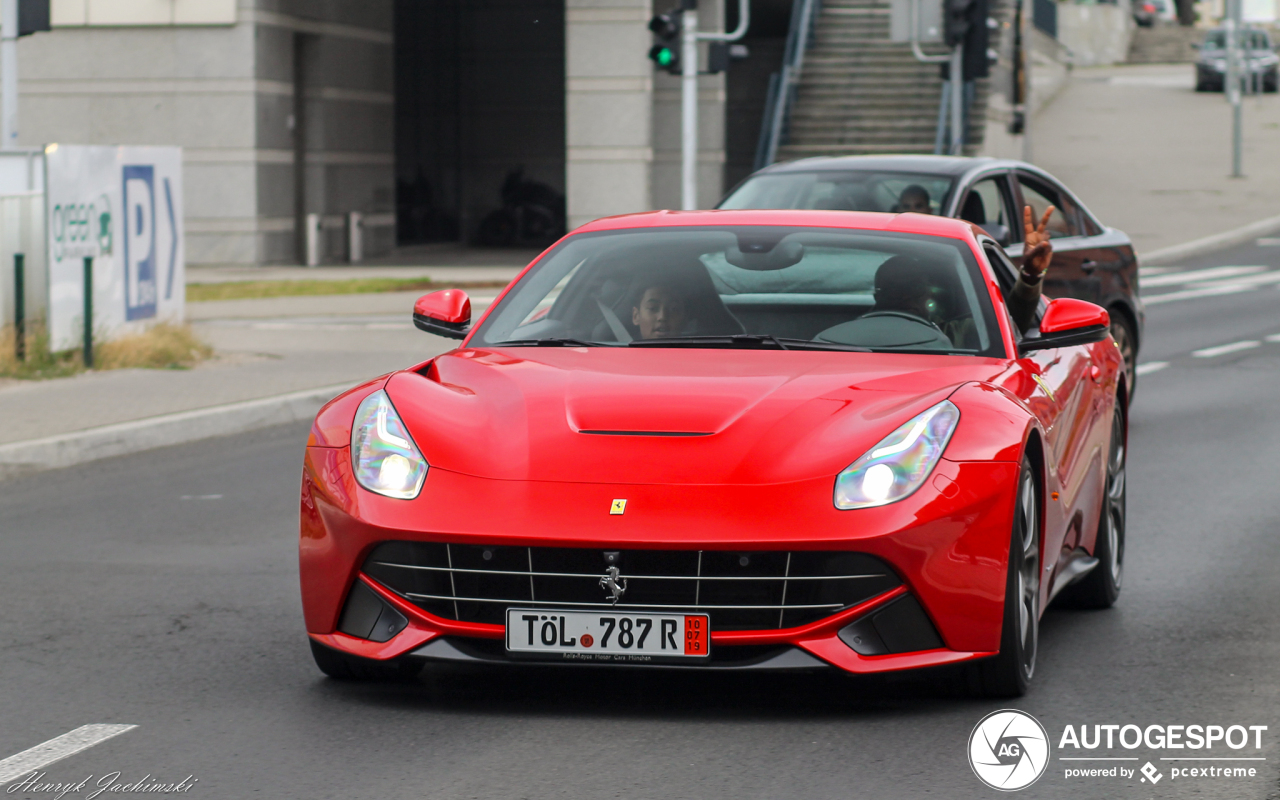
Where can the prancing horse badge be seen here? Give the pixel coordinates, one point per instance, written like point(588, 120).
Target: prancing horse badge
point(618, 507)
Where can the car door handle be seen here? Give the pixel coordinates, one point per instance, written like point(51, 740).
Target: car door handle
point(1088, 265)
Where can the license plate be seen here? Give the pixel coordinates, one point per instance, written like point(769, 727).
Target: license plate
point(607, 636)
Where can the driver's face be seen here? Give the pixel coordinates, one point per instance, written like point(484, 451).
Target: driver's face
point(914, 202)
point(660, 314)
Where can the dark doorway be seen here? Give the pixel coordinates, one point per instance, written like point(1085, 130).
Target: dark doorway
point(480, 93)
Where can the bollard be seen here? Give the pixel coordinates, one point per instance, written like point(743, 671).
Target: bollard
point(313, 240)
point(19, 308)
point(88, 312)
point(355, 237)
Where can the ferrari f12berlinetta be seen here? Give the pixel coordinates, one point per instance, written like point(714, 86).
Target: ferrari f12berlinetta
point(726, 439)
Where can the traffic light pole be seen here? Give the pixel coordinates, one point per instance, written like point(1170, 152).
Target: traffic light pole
point(689, 107)
point(1234, 79)
point(957, 100)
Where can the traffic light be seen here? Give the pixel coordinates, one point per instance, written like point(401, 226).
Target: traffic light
point(665, 53)
point(956, 21)
point(977, 42)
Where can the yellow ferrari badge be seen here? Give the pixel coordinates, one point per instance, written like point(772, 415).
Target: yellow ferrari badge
point(618, 507)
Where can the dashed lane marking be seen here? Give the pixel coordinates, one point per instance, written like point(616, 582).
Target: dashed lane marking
point(58, 748)
point(1223, 349)
point(1269, 242)
point(1191, 294)
point(1150, 367)
point(1275, 337)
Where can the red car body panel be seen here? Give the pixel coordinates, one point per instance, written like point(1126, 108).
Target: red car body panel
point(502, 429)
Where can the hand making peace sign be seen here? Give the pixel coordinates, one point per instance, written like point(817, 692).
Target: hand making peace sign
point(1036, 250)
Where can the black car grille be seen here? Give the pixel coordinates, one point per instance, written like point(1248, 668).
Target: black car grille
point(740, 590)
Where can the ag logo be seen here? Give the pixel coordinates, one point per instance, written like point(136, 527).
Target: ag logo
point(1009, 750)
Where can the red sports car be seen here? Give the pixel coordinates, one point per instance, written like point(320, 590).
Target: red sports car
point(726, 440)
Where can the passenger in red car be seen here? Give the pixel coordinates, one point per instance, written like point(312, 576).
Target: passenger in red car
point(906, 285)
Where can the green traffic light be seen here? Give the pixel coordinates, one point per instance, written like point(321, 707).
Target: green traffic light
point(662, 55)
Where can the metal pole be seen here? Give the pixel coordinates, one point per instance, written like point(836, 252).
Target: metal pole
point(1028, 51)
point(1233, 85)
point(8, 73)
point(19, 307)
point(957, 100)
point(88, 312)
point(689, 107)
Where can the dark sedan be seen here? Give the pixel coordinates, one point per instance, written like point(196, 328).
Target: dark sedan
point(1260, 63)
point(1090, 261)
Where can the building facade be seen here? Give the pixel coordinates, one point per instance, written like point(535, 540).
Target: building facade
point(435, 120)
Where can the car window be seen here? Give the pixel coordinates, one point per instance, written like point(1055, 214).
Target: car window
point(824, 287)
point(987, 204)
point(843, 191)
point(1040, 195)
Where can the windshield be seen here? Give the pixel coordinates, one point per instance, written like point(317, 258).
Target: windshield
point(844, 191)
point(751, 286)
point(1249, 40)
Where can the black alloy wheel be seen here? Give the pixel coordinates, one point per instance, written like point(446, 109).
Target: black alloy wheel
point(1101, 587)
point(345, 667)
point(1009, 674)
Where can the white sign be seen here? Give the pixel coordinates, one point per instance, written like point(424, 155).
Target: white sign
point(122, 207)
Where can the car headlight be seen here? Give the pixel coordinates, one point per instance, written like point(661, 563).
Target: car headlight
point(383, 455)
point(900, 462)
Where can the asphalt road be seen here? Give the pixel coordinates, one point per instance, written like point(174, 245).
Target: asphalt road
point(161, 590)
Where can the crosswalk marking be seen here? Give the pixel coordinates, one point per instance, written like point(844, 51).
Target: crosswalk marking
point(58, 748)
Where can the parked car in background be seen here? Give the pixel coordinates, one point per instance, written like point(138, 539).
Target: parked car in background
point(1090, 260)
point(1147, 13)
point(1261, 68)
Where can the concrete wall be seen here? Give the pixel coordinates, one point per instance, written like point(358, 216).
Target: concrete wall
point(1096, 34)
point(220, 85)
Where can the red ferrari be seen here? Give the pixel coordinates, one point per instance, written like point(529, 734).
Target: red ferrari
point(726, 440)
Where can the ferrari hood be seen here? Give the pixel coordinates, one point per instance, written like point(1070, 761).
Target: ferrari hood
point(666, 416)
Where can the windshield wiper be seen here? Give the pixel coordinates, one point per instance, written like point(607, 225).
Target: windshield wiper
point(745, 340)
point(550, 342)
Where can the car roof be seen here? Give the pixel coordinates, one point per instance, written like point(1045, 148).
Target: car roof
point(852, 220)
point(924, 165)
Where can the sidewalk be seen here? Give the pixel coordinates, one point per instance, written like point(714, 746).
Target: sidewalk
point(1151, 156)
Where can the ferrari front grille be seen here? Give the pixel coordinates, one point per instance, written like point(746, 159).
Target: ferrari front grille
point(740, 590)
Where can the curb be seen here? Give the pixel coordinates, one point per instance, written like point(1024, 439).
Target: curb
point(1198, 247)
point(81, 447)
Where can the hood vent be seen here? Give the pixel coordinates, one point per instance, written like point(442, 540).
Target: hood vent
point(647, 433)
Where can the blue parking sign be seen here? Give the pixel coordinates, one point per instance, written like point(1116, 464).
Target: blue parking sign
point(139, 241)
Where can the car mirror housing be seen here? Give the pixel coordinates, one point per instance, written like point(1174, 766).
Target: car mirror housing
point(445, 313)
point(1068, 322)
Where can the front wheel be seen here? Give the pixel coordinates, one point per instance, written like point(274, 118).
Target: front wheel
point(1009, 674)
point(1101, 587)
point(1126, 340)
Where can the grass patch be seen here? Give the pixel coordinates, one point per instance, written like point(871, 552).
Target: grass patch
point(162, 346)
point(245, 290)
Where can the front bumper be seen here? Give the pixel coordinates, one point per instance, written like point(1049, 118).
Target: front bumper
point(948, 545)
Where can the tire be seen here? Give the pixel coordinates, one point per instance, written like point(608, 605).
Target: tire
point(1009, 674)
point(1101, 587)
point(343, 667)
point(1125, 338)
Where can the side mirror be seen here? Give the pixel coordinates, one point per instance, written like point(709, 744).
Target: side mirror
point(998, 232)
point(445, 313)
point(1068, 322)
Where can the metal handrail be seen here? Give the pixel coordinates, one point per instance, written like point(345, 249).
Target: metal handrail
point(782, 84)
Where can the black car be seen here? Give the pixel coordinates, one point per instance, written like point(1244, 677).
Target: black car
point(1261, 64)
point(1090, 261)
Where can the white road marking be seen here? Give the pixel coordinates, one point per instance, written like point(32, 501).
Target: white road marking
point(1275, 337)
point(58, 748)
point(1191, 276)
point(1191, 294)
point(1145, 271)
point(1223, 349)
point(1150, 367)
point(1269, 242)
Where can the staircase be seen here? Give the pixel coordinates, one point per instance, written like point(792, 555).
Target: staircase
point(860, 93)
point(1164, 43)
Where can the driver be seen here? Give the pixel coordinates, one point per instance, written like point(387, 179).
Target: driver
point(914, 199)
point(909, 286)
point(659, 312)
